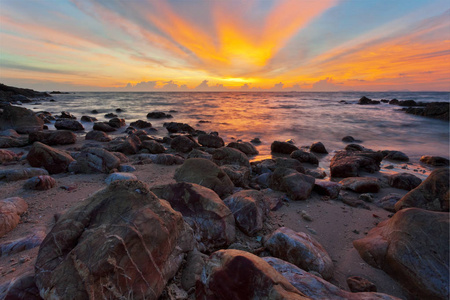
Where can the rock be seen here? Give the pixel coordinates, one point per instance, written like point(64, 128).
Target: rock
point(158, 115)
point(388, 201)
point(9, 132)
point(94, 160)
point(40, 183)
point(327, 188)
point(353, 202)
point(206, 173)
point(59, 137)
point(404, 181)
point(11, 142)
point(195, 153)
point(236, 274)
point(174, 127)
point(318, 147)
point(20, 119)
point(110, 116)
point(210, 140)
point(29, 241)
point(348, 139)
point(269, 165)
point(249, 210)
point(153, 147)
point(10, 211)
point(19, 174)
point(244, 147)
point(361, 184)
point(305, 157)
point(394, 102)
point(358, 284)
point(22, 287)
point(183, 144)
point(126, 168)
point(98, 136)
point(300, 249)
point(434, 160)
point(413, 248)
point(230, 156)
point(282, 147)
point(193, 270)
point(351, 163)
point(161, 159)
point(66, 115)
point(212, 221)
point(8, 156)
point(103, 126)
point(129, 146)
point(139, 243)
point(141, 124)
point(436, 110)
point(239, 175)
point(395, 155)
point(315, 287)
point(432, 193)
point(119, 176)
point(116, 122)
point(53, 160)
point(354, 147)
point(296, 185)
point(88, 119)
point(68, 124)
point(367, 197)
point(364, 101)
point(318, 173)
point(255, 141)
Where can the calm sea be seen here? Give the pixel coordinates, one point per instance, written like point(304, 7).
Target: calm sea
point(304, 117)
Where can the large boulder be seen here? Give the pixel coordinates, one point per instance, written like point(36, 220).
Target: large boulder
point(351, 163)
point(361, 184)
point(10, 211)
point(206, 173)
point(68, 124)
point(244, 147)
point(212, 221)
point(230, 156)
point(210, 140)
point(296, 185)
point(300, 249)
point(404, 181)
point(19, 174)
point(59, 137)
point(53, 160)
point(240, 275)
point(20, 119)
point(121, 241)
point(432, 194)
point(413, 248)
point(94, 160)
point(282, 147)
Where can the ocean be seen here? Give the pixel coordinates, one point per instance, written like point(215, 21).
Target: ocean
point(304, 117)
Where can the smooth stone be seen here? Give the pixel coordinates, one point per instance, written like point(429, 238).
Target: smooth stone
point(19, 174)
point(244, 147)
point(282, 147)
point(361, 184)
point(296, 185)
point(97, 135)
point(318, 147)
point(53, 160)
point(119, 176)
point(404, 181)
point(10, 211)
point(40, 183)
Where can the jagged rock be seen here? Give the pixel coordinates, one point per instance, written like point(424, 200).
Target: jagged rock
point(404, 181)
point(300, 249)
point(436, 110)
point(230, 156)
point(327, 188)
point(53, 160)
point(351, 163)
point(282, 147)
point(296, 185)
point(318, 147)
point(20, 119)
point(19, 174)
point(305, 157)
point(206, 173)
point(244, 147)
point(413, 248)
point(10, 211)
point(210, 140)
point(119, 176)
point(432, 194)
point(59, 137)
point(236, 274)
point(40, 183)
point(434, 160)
point(212, 221)
point(239, 175)
point(139, 243)
point(183, 144)
point(153, 147)
point(99, 136)
point(68, 124)
point(94, 160)
point(103, 126)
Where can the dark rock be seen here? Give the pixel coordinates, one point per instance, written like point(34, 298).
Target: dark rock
point(22, 287)
point(394, 102)
point(174, 127)
point(94, 111)
point(305, 157)
point(192, 272)
point(210, 140)
point(351, 163)
point(183, 144)
point(12, 142)
point(141, 124)
point(110, 116)
point(388, 201)
point(8, 156)
point(432, 193)
point(163, 159)
point(119, 110)
point(282, 147)
point(40, 183)
point(88, 119)
point(318, 147)
point(255, 141)
point(327, 188)
point(116, 122)
point(244, 147)
point(153, 147)
point(29, 241)
point(407, 103)
point(94, 160)
point(436, 161)
point(59, 137)
point(296, 185)
point(364, 101)
point(230, 156)
point(239, 175)
point(129, 146)
point(361, 184)
point(53, 160)
point(98, 136)
point(119, 176)
point(404, 181)
point(20, 119)
point(348, 139)
point(19, 174)
point(10, 211)
point(436, 110)
point(318, 173)
point(68, 124)
point(354, 147)
point(66, 115)
point(395, 155)
point(158, 115)
point(195, 153)
point(358, 284)
point(103, 126)
point(413, 248)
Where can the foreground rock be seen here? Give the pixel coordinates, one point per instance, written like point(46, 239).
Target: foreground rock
point(19, 288)
point(94, 160)
point(235, 274)
point(40, 183)
point(59, 137)
point(296, 185)
point(301, 250)
point(139, 243)
point(10, 211)
point(404, 181)
point(317, 288)
point(20, 119)
point(351, 163)
point(211, 220)
point(53, 160)
point(413, 248)
point(431, 194)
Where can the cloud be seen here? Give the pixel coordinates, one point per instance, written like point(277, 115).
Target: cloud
point(325, 85)
point(278, 86)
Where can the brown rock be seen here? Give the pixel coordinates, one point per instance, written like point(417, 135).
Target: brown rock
point(10, 211)
point(53, 160)
point(94, 160)
point(153, 147)
point(361, 184)
point(20, 119)
point(59, 137)
point(116, 122)
point(305, 157)
point(282, 147)
point(141, 124)
point(351, 163)
point(7, 156)
point(296, 185)
point(327, 188)
point(434, 160)
point(129, 146)
point(40, 183)
point(210, 140)
point(358, 284)
point(183, 144)
point(97, 135)
point(22, 287)
point(404, 181)
point(318, 147)
point(230, 156)
point(68, 124)
point(239, 175)
point(245, 147)
point(12, 142)
point(103, 126)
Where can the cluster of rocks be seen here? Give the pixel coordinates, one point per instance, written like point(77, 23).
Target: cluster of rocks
point(144, 236)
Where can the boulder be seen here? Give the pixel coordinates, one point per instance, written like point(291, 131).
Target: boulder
point(88, 119)
point(327, 188)
point(59, 137)
point(404, 181)
point(129, 146)
point(119, 176)
point(19, 174)
point(183, 144)
point(21, 287)
point(388, 202)
point(239, 175)
point(364, 101)
point(296, 185)
point(245, 147)
point(282, 147)
point(436, 110)
point(20, 119)
point(40, 183)
point(318, 147)
point(158, 115)
point(432, 193)
point(174, 127)
point(240, 275)
point(29, 241)
point(121, 241)
point(351, 163)
point(361, 184)
point(354, 147)
point(210, 140)
point(318, 173)
point(141, 124)
point(94, 160)
point(53, 160)
point(206, 173)
point(305, 157)
point(436, 161)
point(110, 115)
point(66, 115)
point(103, 126)
point(315, 287)
point(212, 221)
point(195, 153)
point(192, 272)
point(413, 248)
point(116, 122)
point(153, 147)
point(97, 135)
point(230, 156)
point(12, 142)
point(300, 249)
point(68, 124)
point(10, 211)
point(395, 155)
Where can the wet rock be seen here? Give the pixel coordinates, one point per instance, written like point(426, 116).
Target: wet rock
point(395, 155)
point(103, 126)
point(436, 110)
point(195, 153)
point(410, 247)
point(40, 183)
point(318, 173)
point(98, 136)
point(256, 141)
point(20, 119)
point(110, 116)
point(434, 160)
point(289, 163)
point(230, 156)
point(244, 147)
point(354, 147)
point(349, 139)
point(364, 101)
point(116, 122)
point(119, 176)
point(296, 185)
point(300, 249)
point(22, 287)
point(139, 243)
point(153, 147)
point(66, 115)
point(53, 160)
point(59, 137)
point(239, 175)
point(12, 142)
point(129, 146)
point(174, 127)
point(68, 124)
point(236, 274)
point(29, 241)
point(361, 184)
point(327, 188)
point(404, 181)
point(282, 147)
point(305, 157)
point(10, 211)
point(94, 160)
point(183, 144)
point(141, 124)
point(158, 115)
point(88, 119)
point(210, 140)
point(195, 261)
point(318, 147)
point(351, 163)
point(432, 193)
point(359, 284)
point(19, 174)
point(212, 221)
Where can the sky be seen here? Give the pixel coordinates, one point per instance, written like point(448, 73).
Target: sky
point(215, 45)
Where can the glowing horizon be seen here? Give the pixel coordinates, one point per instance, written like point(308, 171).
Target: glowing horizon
point(141, 45)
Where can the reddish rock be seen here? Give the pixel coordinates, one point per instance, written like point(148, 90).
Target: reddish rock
point(434, 160)
point(68, 124)
point(40, 183)
point(358, 284)
point(59, 137)
point(361, 184)
point(296, 185)
point(98, 136)
point(53, 160)
point(351, 163)
point(7, 156)
point(10, 211)
point(183, 144)
point(318, 147)
point(239, 175)
point(210, 140)
point(327, 188)
point(305, 157)
point(404, 181)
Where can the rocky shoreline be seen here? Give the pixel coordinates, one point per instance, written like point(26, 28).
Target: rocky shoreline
point(119, 213)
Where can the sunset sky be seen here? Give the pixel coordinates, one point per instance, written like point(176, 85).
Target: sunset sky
point(145, 45)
